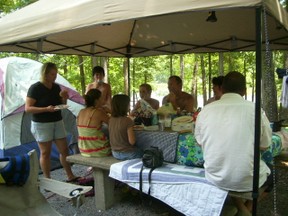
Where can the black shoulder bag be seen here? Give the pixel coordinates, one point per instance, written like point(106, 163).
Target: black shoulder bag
point(152, 158)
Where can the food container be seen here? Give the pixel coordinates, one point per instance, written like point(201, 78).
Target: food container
point(183, 123)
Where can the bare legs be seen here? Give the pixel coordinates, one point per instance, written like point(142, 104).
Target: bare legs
point(45, 162)
point(243, 209)
point(63, 150)
point(45, 152)
point(245, 206)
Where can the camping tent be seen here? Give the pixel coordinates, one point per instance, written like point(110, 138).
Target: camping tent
point(140, 27)
point(16, 76)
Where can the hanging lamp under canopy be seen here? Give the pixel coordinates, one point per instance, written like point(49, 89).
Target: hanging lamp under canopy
point(211, 17)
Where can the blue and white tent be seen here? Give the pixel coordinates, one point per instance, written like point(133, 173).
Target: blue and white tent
point(16, 76)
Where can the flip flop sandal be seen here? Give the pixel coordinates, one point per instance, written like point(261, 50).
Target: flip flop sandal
point(74, 180)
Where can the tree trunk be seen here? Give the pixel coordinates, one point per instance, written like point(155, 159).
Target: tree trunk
point(133, 79)
point(171, 65)
point(253, 85)
point(245, 74)
point(82, 75)
point(93, 61)
point(283, 112)
point(194, 83)
point(221, 64)
point(209, 76)
point(65, 68)
point(105, 66)
point(203, 73)
point(229, 62)
point(182, 67)
point(125, 72)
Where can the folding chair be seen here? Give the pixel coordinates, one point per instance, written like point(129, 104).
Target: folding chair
point(27, 200)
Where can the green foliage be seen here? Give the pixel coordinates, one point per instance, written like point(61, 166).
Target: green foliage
point(116, 75)
point(284, 4)
point(156, 70)
point(8, 6)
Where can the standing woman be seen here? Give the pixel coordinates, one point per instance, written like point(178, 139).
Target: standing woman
point(121, 133)
point(47, 124)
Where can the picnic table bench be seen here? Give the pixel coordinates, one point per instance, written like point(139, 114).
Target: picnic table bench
point(103, 184)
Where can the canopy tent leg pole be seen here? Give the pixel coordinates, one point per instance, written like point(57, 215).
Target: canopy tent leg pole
point(128, 70)
point(257, 132)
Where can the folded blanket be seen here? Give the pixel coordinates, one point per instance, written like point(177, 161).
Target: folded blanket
point(182, 187)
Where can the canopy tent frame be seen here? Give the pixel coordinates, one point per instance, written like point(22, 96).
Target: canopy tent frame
point(257, 132)
point(193, 47)
point(138, 28)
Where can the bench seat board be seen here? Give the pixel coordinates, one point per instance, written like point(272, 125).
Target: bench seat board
point(101, 162)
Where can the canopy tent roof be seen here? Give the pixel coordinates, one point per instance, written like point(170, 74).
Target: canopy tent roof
point(139, 27)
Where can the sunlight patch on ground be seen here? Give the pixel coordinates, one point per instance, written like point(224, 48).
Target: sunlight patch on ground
point(285, 163)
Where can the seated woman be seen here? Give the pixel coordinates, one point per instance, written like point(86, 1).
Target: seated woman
point(92, 142)
point(121, 133)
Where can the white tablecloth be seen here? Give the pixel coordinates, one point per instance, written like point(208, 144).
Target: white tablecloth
point(183, 188)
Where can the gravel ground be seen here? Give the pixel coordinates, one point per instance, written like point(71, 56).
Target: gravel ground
point(130, 203)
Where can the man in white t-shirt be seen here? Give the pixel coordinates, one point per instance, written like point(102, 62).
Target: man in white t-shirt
point(225, 130)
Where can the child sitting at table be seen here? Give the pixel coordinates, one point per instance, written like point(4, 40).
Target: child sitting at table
point(121, 133)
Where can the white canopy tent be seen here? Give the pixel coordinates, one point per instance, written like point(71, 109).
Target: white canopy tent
point(139, 28)
point(132, 28)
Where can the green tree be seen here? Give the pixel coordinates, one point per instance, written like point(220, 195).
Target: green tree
point(8, 6)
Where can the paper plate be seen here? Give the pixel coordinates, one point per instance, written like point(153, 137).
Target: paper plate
point(183, 119)
point(61, 106)
point(138, 127)
point(152, 128)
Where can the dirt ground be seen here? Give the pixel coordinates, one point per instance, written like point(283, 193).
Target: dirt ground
point(275, 204)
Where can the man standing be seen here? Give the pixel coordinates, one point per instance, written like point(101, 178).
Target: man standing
point(225, 130)
point(177, 97)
